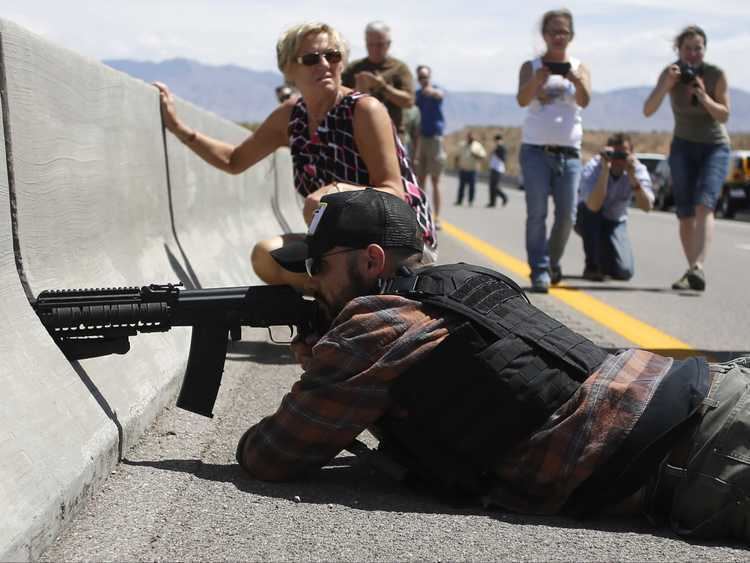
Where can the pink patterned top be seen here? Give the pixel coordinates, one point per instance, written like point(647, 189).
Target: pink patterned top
point(332, 155)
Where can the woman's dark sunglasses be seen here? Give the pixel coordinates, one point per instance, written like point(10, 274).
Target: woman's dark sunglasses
point(311, 59)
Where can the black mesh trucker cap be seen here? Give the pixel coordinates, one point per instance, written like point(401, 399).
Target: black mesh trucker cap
point(354, 219)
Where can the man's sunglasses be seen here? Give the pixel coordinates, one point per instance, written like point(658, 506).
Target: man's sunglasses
point(314, 264)
point(311, 59)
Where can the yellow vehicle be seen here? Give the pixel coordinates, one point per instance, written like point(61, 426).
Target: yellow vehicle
point(735, 194)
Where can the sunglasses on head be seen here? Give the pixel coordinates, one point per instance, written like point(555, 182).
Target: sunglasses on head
point(313, 265)
point(311, 59)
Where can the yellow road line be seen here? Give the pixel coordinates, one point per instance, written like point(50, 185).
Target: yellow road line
point(639, 333)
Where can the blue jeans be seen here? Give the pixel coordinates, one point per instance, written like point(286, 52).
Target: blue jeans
point(547, 174)
point(466, 178)
point(605, 244)
point(698, 173)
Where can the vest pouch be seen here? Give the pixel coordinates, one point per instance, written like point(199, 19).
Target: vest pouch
point(467, 404)
point(579, 356)
point(527, 385)
point(437, 438)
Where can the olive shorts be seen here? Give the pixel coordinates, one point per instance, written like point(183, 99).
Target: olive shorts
point(431, 157)
point(712, 495)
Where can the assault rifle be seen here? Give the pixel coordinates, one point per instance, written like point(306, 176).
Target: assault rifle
point(87, 323)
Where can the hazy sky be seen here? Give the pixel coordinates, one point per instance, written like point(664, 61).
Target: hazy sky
point(470, 45)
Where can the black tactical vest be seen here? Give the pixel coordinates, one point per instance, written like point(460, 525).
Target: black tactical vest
point(490, 383)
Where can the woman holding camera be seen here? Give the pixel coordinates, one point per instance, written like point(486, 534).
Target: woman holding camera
point(555, 87)
point(699, 155)
point(340, 140)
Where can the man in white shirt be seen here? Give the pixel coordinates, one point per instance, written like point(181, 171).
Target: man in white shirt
point(470, 154)
point(608, 183)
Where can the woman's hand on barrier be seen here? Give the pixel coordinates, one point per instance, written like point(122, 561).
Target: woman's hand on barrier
point(168, 110)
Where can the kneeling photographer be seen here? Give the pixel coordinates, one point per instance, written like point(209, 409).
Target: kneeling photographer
point(608, 182)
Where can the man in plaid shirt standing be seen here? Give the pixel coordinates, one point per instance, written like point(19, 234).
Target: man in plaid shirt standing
point(480, 394)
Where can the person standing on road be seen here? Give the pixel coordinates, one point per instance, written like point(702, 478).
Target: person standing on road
point(554, 87)
point(470, 154)
point(340, 140)
point(483, 398)
point(382, 76)
point(699, 155)
point(608, 184)
point(430, 157)
point(497, 169)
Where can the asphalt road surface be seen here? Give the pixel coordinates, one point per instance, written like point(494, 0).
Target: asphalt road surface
point(179, 494)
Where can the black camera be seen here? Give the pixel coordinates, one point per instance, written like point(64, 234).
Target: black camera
point(688, 72)
point(558, 68)
point(612, 154)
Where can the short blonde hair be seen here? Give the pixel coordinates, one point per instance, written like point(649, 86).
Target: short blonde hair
point(291, 39)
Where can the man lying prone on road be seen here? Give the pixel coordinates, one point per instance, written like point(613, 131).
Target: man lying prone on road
point(481, 395)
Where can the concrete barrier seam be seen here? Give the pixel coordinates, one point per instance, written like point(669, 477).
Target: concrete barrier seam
point(11, 175)
point(192, 281)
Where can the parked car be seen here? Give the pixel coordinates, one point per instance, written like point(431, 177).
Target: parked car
point(735, 193)
point(661, 179)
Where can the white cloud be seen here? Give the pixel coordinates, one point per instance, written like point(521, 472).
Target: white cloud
point(470, 47)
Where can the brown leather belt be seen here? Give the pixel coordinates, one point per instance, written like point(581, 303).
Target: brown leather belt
point(560, 149)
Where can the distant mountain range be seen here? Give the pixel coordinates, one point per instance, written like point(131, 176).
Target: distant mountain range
point(245, 95)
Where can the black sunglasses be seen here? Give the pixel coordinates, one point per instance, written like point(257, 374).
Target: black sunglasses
point(311, 59)
point(313, 265)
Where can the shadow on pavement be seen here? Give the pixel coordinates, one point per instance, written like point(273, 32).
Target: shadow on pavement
point(604, 286)
point(260, 352)
point(350, 483)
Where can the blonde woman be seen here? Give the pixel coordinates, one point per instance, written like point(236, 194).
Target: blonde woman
point(340, 139)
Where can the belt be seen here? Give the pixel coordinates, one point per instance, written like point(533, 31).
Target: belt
point(559, 149)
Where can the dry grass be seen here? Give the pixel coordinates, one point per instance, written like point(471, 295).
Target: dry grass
point(657, 141)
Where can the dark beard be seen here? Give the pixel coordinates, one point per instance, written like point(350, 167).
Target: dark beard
point(358, 286)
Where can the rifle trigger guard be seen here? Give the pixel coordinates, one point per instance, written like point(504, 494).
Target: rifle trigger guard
point(272, 339)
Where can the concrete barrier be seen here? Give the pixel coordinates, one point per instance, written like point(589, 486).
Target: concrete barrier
point(218, 216)
point(98, 197)
point(54, 437)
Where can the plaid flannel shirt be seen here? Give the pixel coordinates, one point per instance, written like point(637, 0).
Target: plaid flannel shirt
point(375, 339)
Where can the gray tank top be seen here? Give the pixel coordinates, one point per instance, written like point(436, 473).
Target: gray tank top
point(693, 122)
